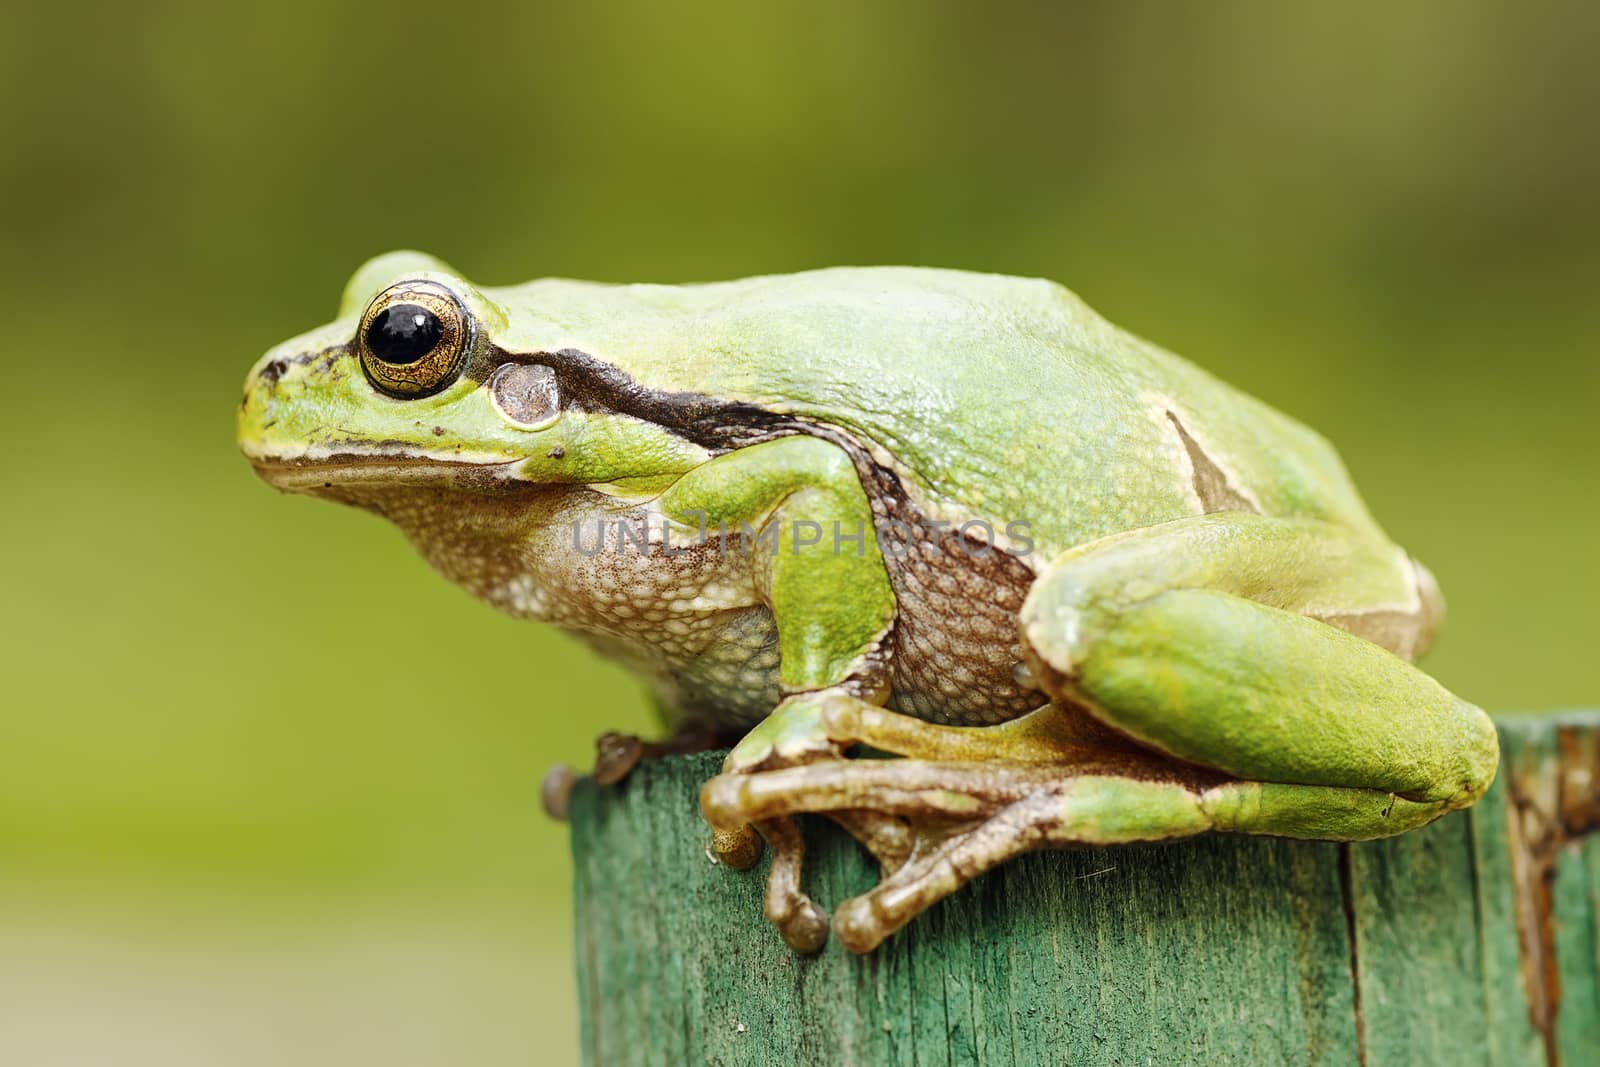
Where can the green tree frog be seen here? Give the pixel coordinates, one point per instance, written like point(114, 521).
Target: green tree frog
point(1085, 592)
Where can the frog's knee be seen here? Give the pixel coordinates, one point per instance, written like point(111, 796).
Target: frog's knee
point(1470, 746)
point(1480, 755)
point(1054, 626)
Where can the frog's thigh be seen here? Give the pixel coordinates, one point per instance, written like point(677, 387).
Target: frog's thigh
point(1192, 638)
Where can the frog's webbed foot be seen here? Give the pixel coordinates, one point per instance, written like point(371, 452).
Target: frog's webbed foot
point(1038, 785)
point(966, 800)
point(964, 818)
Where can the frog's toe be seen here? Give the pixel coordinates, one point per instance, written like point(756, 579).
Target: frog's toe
point(803, 925)
point(722, 802)
point(615, 756)
point(858, 926)
point(915, 789)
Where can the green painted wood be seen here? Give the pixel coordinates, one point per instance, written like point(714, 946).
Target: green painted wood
point(1215, 950)
point(1577, 908)
point(1510, 1036)
point(1421, 967)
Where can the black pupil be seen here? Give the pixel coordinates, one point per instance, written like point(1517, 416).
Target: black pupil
point(404, 333)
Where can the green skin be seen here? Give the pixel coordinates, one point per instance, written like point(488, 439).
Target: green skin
point(1176, 615)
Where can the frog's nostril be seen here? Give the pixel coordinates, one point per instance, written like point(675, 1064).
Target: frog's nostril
point(273, 371)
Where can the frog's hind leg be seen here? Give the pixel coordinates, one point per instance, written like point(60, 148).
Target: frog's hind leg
point(1095, 809)
point(969, 817)
point(1205, 674)
point(1230, 641)
point(1072, 810)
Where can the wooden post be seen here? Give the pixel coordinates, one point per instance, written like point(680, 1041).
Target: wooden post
point(1471, 941)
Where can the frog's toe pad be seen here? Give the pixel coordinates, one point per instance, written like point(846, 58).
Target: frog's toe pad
point(805, 928)
point(858, 926)
point(738, 848)
point(616, 755)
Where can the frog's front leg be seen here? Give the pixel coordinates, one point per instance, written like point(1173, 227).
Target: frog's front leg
point(797, 505)
point(1219, 654)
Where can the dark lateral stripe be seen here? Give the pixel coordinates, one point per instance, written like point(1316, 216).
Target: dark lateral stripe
point(590, 384)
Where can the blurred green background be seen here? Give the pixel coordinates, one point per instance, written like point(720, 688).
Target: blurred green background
point(227, 837)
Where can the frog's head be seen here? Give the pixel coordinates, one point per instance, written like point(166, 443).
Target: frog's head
point(416, 384)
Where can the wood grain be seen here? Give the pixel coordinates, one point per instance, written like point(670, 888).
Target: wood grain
point(1220, 949)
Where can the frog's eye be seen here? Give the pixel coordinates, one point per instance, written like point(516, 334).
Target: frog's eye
point(414, 339)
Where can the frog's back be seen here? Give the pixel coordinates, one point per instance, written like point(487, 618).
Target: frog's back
point(992, 397)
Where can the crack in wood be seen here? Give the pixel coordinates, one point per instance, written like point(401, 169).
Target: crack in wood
point(1347, 893)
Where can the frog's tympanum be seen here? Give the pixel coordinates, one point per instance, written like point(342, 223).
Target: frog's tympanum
point(1084, 592)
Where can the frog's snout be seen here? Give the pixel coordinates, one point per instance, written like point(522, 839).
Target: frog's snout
point(266, 375)
point(251, 416)
point(283, 391)
point(259, 384)
point(256, 404)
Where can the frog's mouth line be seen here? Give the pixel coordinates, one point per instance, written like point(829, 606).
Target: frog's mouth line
point(306, 474)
